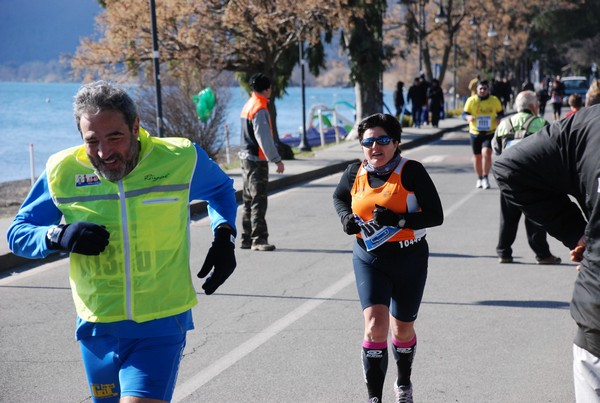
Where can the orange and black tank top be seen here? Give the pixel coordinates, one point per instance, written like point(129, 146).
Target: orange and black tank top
point(392, 195)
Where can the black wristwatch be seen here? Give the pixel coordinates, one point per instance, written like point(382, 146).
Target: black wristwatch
point(401, 221)
point(54, 235)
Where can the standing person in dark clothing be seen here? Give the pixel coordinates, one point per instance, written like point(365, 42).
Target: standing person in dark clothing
point(496, 88)
point(257, 148)
point(399, 99)
point(553, 177)
point(387, 201)
point(506, 92)
point(435, 94)
point(425, 88)
point(557, 92)
point(525, 119)
point(417, 96)
point(543, 98)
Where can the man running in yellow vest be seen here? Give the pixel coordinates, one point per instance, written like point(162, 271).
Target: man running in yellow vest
point(482, 111)
point(124, 197)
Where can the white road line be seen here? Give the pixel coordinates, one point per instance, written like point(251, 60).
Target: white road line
point(459, 203)
point(197, 381)
point(433, 159)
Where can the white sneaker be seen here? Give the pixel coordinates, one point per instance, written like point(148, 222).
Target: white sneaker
point(485, 182)
point(479, 184)
point(403, 394)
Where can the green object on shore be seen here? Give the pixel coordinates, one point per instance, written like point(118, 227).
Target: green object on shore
point(205, 103)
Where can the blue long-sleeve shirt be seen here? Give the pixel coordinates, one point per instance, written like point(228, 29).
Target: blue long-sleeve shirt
point(26, 237)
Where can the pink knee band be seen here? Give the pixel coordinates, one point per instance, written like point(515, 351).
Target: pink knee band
point(405, 344)
point(374, 344)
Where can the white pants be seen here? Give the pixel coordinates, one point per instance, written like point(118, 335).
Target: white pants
point(586, 376)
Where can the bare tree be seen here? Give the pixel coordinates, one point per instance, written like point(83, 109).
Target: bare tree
point(180, 117)
point(242, 36)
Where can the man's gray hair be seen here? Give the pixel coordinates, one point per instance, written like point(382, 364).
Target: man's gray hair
point(526, 100)
point(101, 96)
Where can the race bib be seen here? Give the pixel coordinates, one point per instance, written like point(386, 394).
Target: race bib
point(375, 235)
point(484, 123)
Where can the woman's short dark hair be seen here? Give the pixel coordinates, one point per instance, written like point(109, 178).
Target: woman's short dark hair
point(390, 125)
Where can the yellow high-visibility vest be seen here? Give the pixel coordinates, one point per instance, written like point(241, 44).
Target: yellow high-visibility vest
point(144, 272)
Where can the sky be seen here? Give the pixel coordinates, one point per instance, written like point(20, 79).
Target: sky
point(42, 30)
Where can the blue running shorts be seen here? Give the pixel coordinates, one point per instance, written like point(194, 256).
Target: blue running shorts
point(145, 367)
point(396, 281)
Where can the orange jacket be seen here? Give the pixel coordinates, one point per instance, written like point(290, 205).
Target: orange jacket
point(249, 143)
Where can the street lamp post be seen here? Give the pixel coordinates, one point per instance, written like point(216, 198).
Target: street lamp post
point(506, 44)
point(475, 25)
point(421, 32)
point(304, 145)
point(420, 22)
point(493, 34)
point(442, 18)
point(454, 83)
point(159, 120)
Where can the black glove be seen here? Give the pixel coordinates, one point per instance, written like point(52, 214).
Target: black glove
point(385, 216)
point(85, 238)
point(350, 225)
point(220, 256)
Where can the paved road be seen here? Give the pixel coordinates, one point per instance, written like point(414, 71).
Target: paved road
point(287, 326)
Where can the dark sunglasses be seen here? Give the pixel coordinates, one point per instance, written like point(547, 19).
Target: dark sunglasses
point(381, 140)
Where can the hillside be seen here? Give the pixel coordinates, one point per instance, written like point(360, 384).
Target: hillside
point(41, 30)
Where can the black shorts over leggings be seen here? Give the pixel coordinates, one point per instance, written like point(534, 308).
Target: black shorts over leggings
point(395, 281)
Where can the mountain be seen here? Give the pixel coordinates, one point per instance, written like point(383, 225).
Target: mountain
point(42, 30)
point(35, 33)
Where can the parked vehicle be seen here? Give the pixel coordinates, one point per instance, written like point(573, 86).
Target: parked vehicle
point(575, 85)
point(324, 125)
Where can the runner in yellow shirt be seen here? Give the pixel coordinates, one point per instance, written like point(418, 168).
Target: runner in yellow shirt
point(483, 112)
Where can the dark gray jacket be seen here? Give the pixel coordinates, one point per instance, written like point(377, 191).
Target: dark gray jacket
point(538, 174)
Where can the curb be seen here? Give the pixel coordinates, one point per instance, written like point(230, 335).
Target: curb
point(431, 137)
point(11, 261)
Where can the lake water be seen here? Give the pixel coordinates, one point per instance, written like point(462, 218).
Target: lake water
point(39, 116)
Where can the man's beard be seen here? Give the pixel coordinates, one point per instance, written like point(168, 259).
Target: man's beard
point(127, 163)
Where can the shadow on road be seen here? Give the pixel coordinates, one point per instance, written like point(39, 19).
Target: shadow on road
point(508, 304)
